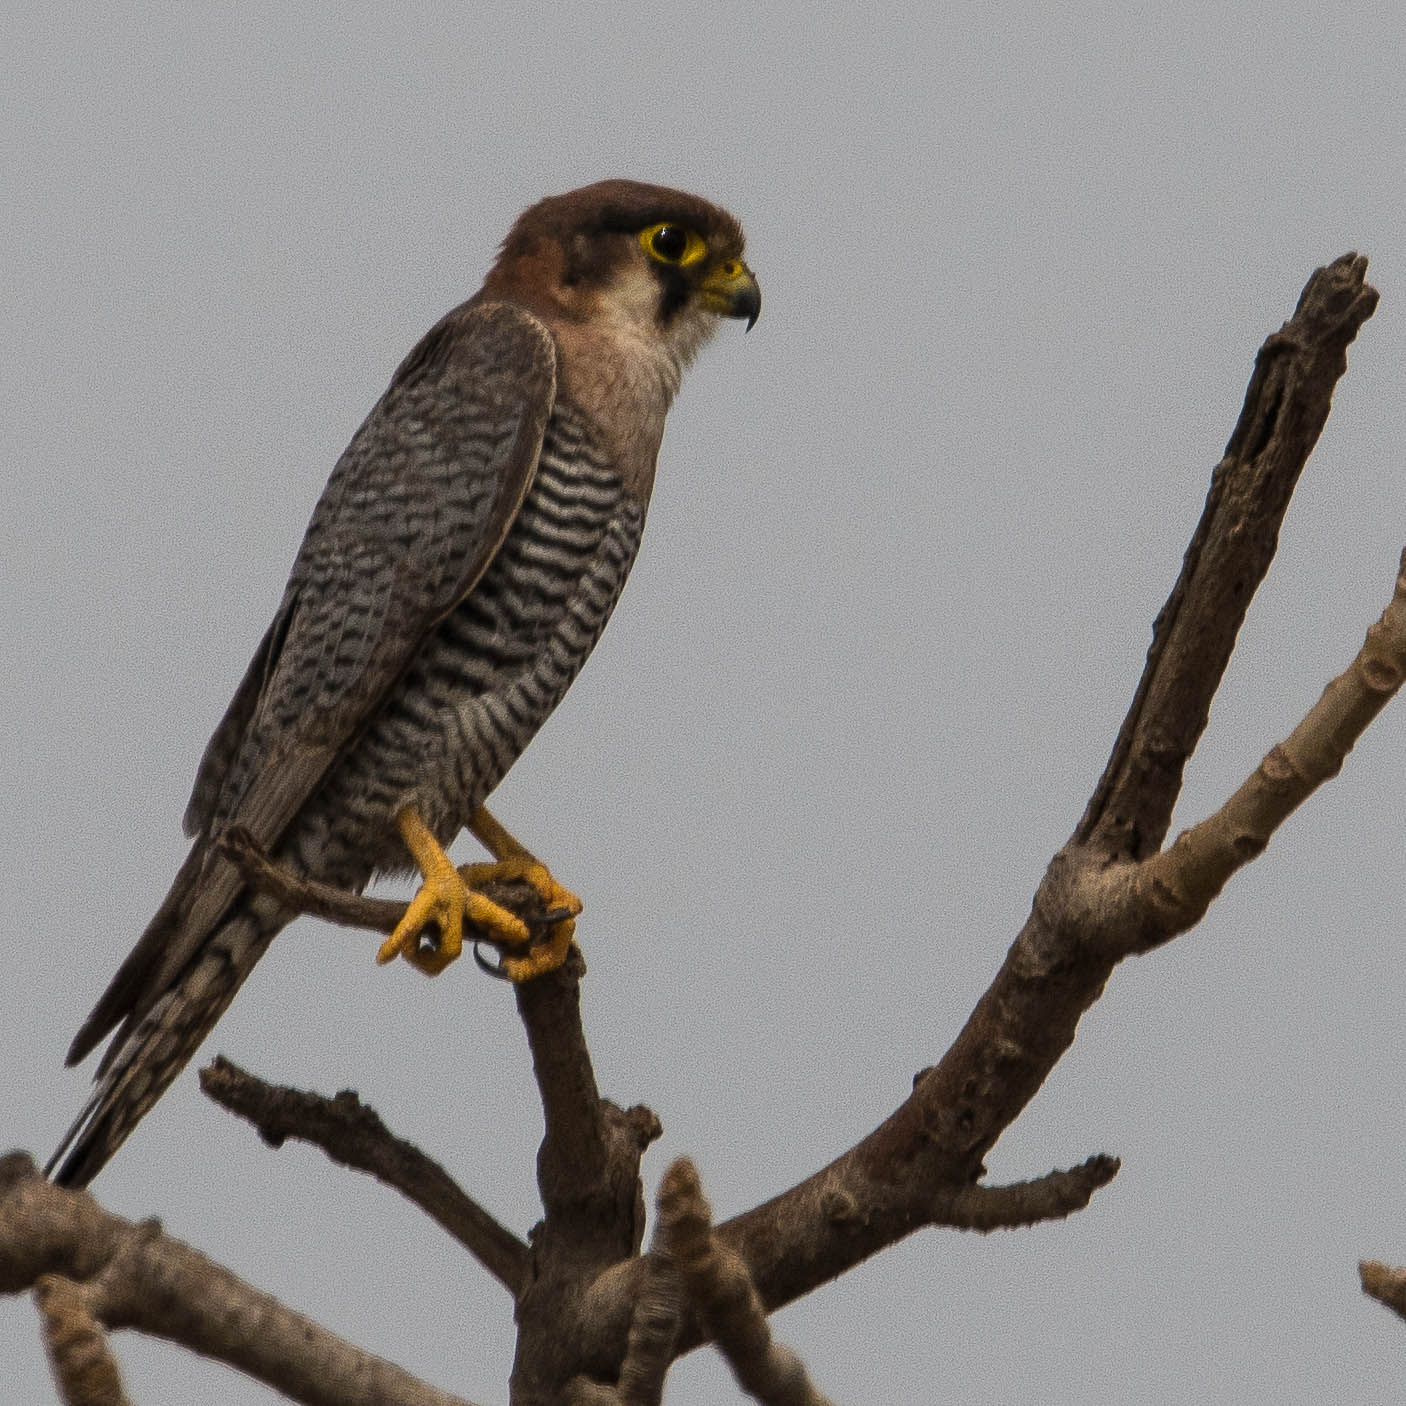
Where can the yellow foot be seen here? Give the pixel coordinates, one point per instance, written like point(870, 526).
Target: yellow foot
point(548, 952)
point(441, 902)
point(444, 900)
point(545, 957)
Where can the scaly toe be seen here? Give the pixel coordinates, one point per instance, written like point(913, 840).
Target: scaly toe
point(549, 951)
point(502, 926)
point(441, 901)
point(545, 957)
point(525, 869)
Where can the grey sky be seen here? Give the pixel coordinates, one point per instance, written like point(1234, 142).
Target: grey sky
point(905, 550)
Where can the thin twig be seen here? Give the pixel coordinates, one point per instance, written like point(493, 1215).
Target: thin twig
point(301, 895)
point(352, 1134)
point(1051, 1197)
point(1385, 1284)
point(355, 910)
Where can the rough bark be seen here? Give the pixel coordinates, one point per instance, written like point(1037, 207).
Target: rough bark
point(1385, 1284)
point(135, 1276)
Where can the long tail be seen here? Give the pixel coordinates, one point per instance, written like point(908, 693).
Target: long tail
point(150, 1050)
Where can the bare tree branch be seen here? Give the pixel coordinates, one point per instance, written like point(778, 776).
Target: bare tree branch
point(302, 895)
point(1172, 891)
point(1286, 405)
point(717, 1283)
point(355, 910)
point(141, 1278)
point(585, 1134)
point(1026, 1020)
point(653, 1331)
point(1385, 1284)
point(352, 1134)
point(83, 1365)
point(588, 1176)
point(890, 1183)
point(1051, 1197)
point(588, 1166)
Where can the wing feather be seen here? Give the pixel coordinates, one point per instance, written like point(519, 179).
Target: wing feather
point(414, 512)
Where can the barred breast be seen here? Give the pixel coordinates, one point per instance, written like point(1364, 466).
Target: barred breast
point(488, 675)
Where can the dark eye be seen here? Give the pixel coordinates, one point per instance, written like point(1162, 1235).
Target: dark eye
point(673, 244)
point(669, 242)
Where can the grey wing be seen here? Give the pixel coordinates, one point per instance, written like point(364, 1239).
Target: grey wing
point(225, 742)
point(412, 515)
point(410, 519)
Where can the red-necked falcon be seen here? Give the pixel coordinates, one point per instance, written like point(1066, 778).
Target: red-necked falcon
point(458, 569)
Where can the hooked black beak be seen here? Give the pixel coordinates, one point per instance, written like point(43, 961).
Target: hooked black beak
point(731, 290)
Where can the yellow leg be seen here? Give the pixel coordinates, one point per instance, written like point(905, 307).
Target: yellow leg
point(444, 899)
point(513, 860)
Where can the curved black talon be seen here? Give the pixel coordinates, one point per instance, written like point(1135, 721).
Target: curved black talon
point(494, 969)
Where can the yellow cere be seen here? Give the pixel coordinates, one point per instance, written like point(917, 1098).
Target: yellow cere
point(673, 244)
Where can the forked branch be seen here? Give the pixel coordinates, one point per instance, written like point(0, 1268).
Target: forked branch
point(1286, 405)
point(884, 1187)
point(1171, 892)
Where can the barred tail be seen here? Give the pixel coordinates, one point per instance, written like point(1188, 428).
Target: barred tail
point(145, 1058)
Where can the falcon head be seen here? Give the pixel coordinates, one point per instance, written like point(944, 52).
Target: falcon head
point(647, 262)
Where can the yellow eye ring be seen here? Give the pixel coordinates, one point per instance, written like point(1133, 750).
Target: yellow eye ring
point(668, 243)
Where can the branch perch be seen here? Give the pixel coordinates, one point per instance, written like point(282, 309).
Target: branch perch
point(588, 1173)
point(355, 910)
point(588, 1166)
